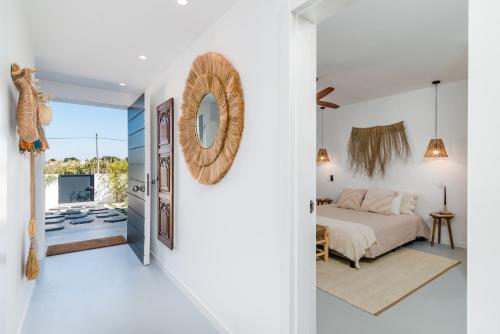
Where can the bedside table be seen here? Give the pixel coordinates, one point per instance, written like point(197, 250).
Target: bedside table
point(436, 220)
point(321, 201)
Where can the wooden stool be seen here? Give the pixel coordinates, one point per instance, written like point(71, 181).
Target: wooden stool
point(322, 241)
point(321, 201)
point(436, 220)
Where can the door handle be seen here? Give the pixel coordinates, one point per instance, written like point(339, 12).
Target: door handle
point(137, 188)
point(311, 206)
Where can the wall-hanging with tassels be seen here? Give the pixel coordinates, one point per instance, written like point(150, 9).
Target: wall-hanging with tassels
point(370, 150)
point(32, 139)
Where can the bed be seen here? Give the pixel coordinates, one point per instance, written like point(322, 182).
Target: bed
point(357, 234)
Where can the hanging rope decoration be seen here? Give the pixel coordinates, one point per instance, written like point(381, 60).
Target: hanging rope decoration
point(32, 104)
point(31, 134)
point(370, 150)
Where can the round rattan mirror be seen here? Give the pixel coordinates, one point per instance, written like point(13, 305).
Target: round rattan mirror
point(210, 135)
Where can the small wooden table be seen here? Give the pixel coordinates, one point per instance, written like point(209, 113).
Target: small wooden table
point(436, 220)
point(322, 241)
point(321, 201)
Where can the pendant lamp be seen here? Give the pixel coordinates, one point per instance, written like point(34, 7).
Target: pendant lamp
point(436, 148)
point(322, 152)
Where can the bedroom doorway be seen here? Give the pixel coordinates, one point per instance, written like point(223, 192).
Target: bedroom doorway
point(374, 74)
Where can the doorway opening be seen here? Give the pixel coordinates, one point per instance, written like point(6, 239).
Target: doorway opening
point(86, 177)
point(391, 82)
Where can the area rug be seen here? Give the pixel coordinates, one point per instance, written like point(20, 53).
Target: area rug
point(85, 245)
point(381, 283)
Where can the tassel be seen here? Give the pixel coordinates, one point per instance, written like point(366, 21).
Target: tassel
point(32, 266)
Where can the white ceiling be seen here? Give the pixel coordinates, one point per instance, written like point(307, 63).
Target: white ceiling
point(96, 43)
point(376, 48)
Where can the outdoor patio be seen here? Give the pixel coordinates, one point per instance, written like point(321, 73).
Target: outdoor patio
point(84, 222)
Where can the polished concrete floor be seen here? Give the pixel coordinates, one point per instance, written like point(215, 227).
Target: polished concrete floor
point(437, 308)
point(108, 291)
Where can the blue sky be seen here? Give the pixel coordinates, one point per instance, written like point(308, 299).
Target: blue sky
point(75, 120)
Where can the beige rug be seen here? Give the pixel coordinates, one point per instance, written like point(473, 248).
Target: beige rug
point(383, 282)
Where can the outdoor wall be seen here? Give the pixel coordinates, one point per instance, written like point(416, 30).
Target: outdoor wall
point(228, 236)
point(15, 290)
point(421, 175)
point(102, 194)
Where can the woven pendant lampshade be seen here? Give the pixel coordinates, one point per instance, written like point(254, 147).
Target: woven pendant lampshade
point(322, 155)
point(436, 148)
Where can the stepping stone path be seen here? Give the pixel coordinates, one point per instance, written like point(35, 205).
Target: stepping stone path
point(108, 214)
point(76, 216)
point(54, 227)
point(85, 220)
point(115, 219)
point(49, 221)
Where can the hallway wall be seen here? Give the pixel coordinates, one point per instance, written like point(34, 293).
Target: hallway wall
point(15, 290)
point(228, 236)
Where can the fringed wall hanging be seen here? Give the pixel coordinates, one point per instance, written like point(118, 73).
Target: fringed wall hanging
point(31, 104)
point(370, 150)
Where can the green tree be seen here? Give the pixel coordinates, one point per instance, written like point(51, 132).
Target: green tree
point(118, 179)
point(70, 159)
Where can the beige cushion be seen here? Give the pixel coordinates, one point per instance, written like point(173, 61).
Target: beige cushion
point(351, 198)
point(408, 203)
point(379, 201)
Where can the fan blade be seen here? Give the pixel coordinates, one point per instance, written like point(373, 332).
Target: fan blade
point(327, 104)
point(324, 92)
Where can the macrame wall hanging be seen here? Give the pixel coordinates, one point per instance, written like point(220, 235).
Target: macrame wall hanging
point(32, 112)
point(370, 150)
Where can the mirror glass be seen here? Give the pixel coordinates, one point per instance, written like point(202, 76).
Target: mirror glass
point(207, 120)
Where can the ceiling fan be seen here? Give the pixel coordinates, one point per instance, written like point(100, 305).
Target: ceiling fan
point(324, 104)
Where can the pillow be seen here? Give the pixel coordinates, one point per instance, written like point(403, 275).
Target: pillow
point(351, 198)
point(379, 201)
point(396, 204)
point(408, 203)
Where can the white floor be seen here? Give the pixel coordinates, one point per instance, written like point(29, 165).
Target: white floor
point(439, 307)
point(108, 291)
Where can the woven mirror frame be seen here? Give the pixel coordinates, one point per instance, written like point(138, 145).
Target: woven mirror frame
point(212, 73)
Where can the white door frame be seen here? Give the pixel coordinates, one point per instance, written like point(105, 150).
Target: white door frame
point(148, 177)
point(301, 260)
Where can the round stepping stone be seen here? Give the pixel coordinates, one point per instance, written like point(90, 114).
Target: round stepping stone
point(71, 212)
point(54, 221)
point(115, 219)
point(98, 212)
point(97, 209)
point(85, 220)
point(53, 216)
point(54, 227)
point(76, 216)
point(108, 214)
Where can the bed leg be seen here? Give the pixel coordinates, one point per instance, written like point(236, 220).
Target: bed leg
point(352, 264)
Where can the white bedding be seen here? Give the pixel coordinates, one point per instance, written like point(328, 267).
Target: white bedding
point(347, 238)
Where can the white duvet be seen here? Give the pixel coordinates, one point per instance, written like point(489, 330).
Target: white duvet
point(349, 239)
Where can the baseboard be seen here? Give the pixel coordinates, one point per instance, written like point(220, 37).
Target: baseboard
point(192, 297)
point(26, 307)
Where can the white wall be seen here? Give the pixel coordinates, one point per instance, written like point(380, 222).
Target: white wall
point(14, 175)
point(483, 270)
point(228, 236)
point(421, 175)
